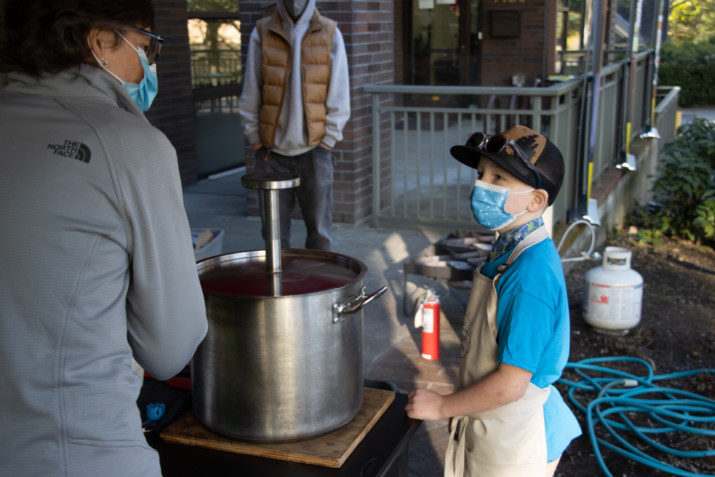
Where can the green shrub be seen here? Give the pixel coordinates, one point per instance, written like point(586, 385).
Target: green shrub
point(684, 189)
point(690, 65)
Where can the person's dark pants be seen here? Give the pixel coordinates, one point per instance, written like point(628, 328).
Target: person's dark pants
point(314, 194)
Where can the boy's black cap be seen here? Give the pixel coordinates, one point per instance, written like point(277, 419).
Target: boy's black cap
point(544, 155)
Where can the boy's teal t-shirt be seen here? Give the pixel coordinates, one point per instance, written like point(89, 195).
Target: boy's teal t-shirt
point(533, 330)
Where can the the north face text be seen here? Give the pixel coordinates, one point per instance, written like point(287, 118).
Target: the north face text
point(72, 149)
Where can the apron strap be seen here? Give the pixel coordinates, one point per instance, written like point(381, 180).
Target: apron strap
point(456, 448)
point(533, 238)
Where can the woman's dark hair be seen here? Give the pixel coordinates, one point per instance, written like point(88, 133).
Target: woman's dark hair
point(50, 36)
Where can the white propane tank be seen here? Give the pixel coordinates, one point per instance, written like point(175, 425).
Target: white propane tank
point(613, 292)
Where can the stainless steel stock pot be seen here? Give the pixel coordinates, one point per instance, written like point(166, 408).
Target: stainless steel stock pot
point(283, 357)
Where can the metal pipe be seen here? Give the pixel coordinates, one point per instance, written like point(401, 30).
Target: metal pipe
point(273, 231)
point(600, 8)
point(271, 183)
point(661, 12)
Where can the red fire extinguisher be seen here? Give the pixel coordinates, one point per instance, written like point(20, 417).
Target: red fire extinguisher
point(427, 316)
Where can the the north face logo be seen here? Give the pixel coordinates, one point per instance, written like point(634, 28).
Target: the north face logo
point(72, 149)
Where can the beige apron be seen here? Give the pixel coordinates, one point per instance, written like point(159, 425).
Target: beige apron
point(508, 441)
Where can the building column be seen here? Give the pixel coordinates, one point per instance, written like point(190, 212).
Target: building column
point(173, 110)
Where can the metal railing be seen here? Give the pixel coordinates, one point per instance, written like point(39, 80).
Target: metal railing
point(666, 113)
point(416, 180)
point(215, 68)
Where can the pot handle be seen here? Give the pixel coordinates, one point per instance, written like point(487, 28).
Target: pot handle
point(354, 303)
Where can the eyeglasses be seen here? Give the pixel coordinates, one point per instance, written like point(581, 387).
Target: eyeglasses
point(152, 51)
point(496, 144)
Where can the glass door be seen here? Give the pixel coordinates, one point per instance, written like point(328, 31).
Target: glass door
point(444, 42)
point(216, 76)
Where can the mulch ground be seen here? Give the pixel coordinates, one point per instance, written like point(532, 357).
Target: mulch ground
point(676, 333)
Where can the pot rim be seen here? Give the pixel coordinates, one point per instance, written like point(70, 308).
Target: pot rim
point(211, 263)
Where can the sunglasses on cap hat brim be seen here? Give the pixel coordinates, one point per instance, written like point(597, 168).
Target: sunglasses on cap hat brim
point(497, 144)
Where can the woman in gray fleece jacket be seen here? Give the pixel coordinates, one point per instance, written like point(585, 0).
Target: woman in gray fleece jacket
point(97, 262)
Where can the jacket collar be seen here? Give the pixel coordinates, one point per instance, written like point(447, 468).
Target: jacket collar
point(84, 81)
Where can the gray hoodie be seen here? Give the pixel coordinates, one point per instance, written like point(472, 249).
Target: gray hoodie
point(292, 135)
point(97, 268)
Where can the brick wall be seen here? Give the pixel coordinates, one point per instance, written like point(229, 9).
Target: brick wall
point(173, 110)
point(504, 57)
point(368, 30)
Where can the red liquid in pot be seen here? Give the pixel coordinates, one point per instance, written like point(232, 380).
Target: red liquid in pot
point(299, 276)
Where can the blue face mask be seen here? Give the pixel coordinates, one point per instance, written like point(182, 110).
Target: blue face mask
point(142, 94)
point(488, 202)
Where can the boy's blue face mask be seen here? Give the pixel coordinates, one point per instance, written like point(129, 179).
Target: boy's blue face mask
point(488, 203)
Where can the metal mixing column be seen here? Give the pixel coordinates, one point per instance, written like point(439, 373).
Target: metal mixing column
point(271, 183)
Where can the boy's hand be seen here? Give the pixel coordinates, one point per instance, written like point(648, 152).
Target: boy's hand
point(425, 405)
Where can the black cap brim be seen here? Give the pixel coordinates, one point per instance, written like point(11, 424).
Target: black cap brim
point(470, 157)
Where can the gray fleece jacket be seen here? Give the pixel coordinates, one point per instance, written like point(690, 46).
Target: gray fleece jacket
point(97, 268)
point(292, 135)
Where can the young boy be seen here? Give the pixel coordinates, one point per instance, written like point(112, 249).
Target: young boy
point(509, 419)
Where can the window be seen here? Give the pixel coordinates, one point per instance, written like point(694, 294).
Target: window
point(570, 48)
point(435, 42)
point(215, 43)
point(215, 40)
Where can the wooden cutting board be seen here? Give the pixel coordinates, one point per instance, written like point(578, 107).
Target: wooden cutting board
point(329, 450)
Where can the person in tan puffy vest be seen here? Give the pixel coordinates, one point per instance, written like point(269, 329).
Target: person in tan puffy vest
point(294, 106)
